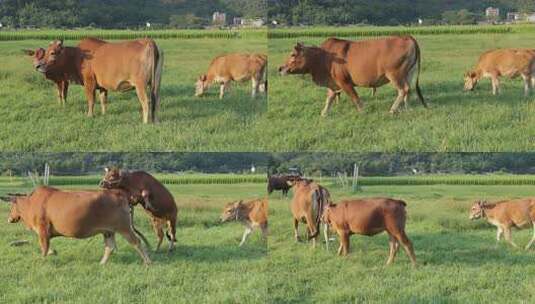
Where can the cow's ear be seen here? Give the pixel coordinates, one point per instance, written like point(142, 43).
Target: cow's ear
point(28, 52)
point(106, 169)
point(60, 43)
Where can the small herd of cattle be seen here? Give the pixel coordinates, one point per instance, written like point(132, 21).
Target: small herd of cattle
point(339, 65)
point(52, 212)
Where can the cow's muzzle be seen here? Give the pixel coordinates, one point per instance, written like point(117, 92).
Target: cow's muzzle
point(283, 70)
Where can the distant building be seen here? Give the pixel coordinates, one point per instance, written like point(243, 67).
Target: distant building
point(492, 12)
point(258, 22)
point(521, 17)
point(237, 21)
point(219, 18)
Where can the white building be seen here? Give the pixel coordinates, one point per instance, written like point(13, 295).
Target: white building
point(219, 18)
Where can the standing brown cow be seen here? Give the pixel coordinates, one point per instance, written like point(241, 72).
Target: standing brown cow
point(505, 215)
point(121, 66)
point(50, 212)
point(63, 72)
point(503, 62)
point(308, 202)
point(340, 65)
point(235, 67)
point(369, 217)
point(251, 214)
point(157, 201)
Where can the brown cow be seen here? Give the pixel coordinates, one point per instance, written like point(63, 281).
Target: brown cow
point(50, 212)
point(340, 65)
point(308, 202)
point(251, 214)
point(122, 66)
point(156, 200)
point(64, 71)
point(234, 67)
point(503, 62)
point(519, 213)
point(369, 217)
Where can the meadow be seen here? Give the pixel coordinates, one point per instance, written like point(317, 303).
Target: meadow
point(458, 259)
point(33, 120)
point(207, 265)
point(456, 121)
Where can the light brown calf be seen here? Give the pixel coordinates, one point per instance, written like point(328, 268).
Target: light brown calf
point(341, 65)
point(308, 202)
point(235, 67)
point(50, 212)
point(505, 215)
point(503, 63)
point(251, 214)
point(369, 217)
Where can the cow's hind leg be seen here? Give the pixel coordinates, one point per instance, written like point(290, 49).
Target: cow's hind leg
point(532, 238)
point(403, 93)
point(89, 89)
point(171, 230)
point(344, 242)
point(158, 229)
point(527, 83)
point(394, 247)
point(141, 92)
point(296, 230)
point(402, 238)
point(130, 236)
point(508, 237)
point(331, 96)
point(255, 84)
point(246, 233)
point(350, 90)
point(311, 228)
point(109, 246)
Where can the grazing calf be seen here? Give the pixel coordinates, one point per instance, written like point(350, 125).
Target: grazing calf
point(369, 217)
point(503, 62)
point(251, 214)
point(504, 215)
point(235, 67)
point(156, 200)
point(50, 212)
point(308, 203)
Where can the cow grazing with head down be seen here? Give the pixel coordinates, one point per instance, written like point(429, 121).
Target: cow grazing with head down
point(340, 65)
point(234, 67)
point(64, 71)
point(369, 217)
point(50, 213)
point(503, 62)
point(251, 214)
point(121, 66)
point(307, 205)
point(156, 200)
point(519, 213)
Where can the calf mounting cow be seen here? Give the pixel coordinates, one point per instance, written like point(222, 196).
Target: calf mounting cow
point(50, 213)
point(341, 65)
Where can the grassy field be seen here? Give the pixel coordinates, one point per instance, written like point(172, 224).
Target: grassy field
point(206, 267)
point(33, 120)
point(456, 121)
point(459, 262)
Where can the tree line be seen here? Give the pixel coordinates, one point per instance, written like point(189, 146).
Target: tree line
point(388, 12)
point(123, 13)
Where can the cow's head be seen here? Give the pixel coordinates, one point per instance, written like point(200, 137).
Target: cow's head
point(478, 210)
point(14, 213)
point(50, 57)
point(296, 63)
point(201, 85)
point(327, 211)
point(112, 178)
point(231, 212)
point(38, 57)
point(470, 80)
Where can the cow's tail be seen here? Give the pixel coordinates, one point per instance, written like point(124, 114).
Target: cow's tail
point(320, 199)
point(137, 231)
point(156, 57)
point(418, 62)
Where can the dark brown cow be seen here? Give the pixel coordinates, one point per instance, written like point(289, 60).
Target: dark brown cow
point(64, 72)
point(122, 66)
point(279, 183)
point(369, 217)
point(157, 201)
point(308, 202)
point(340, 65)
point(50, 212)
point(519, 213)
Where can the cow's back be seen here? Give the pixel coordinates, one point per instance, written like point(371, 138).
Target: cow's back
point(237, 66)
point(505, 61)
point(370, 215)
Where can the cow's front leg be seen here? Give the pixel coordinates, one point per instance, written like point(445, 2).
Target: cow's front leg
point(90, 88)
point(246, 233)
point(331, 95)
point(103, 95)
point(495, 85)
point(255, 88)
point(222, 89)
point(109, 246)
point(59, 87)
point(350, 90)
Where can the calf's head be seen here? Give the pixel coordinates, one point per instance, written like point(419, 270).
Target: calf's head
point(38, 57)
point(296, 63)
point(231, 212)
point(112, 178)
point(14, 213)
point(470, 81)
point(51, 56)
point(201, 85)
point(326, 217)
point(477, 211)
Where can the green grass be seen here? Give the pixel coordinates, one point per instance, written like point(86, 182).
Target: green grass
point(206, 267)
point(33, 120)
point(456, 121)
point(458, 259)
